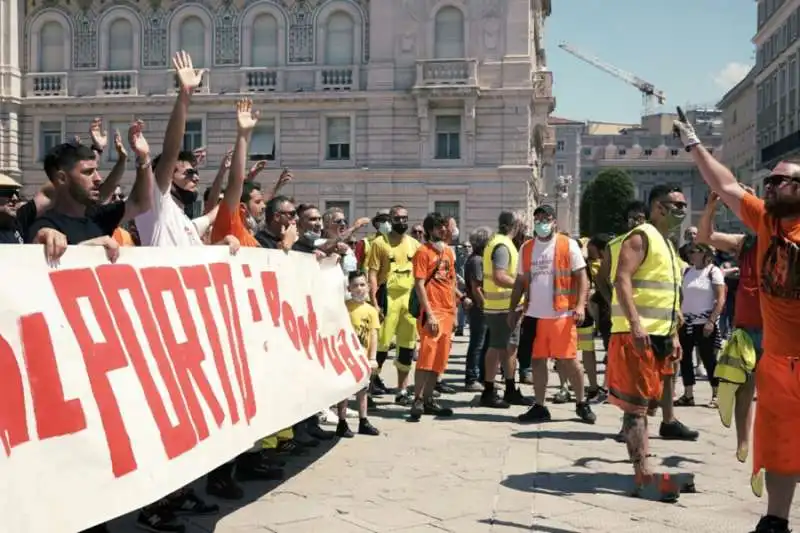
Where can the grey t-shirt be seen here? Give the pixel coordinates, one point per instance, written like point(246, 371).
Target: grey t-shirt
point(501, 257)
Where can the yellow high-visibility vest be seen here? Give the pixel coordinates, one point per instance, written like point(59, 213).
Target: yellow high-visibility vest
point(497, 299)
point(656, 286)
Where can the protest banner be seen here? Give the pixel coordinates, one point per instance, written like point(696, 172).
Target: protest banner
point(121, 383)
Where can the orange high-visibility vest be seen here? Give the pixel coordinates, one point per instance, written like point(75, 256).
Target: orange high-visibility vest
point(565, 294)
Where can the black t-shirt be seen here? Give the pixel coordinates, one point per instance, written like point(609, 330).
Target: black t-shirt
point(304, 246)
point(473, 271)
point(99, 221)
point(17, 233)
point(267, 240)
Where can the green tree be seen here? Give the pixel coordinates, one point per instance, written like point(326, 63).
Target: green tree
point(585, 215)
point(612, 191)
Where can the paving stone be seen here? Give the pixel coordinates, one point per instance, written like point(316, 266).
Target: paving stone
point(482, 472)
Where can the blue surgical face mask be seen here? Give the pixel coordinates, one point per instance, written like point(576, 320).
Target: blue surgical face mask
point(543, 229)
point(384, 228)
point(312, 235)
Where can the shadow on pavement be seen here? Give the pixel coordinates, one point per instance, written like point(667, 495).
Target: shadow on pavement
point(253, 491)
point(516, 525)
point(565, 483)
point(564, 435)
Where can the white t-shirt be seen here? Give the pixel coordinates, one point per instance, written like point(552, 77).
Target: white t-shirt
point(698, 293)
point(540, 293)
point(166, 224)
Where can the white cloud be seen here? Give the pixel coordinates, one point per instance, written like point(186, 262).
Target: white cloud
point(730, 75)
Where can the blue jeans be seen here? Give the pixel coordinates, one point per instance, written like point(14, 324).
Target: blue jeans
point(478, 344)
point(462, 317)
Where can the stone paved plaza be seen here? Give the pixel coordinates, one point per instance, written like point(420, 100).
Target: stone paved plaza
point(481, 471)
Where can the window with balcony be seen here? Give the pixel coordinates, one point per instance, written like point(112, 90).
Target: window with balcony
point(262, 142)
point(122, 128)
point(448, 34)
point(561, 146)
point(192, 40)
point(622, 151)
point(52, 39)
point(648, 152)
point(448, 137)
point(51, 134)
point(120, 45)
point(449, 208)
point(193, 135)
point(339, 39)
point(337, 139)
point(264, 41)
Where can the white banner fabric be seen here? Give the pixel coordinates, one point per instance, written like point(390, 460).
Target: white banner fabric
point(121, 383)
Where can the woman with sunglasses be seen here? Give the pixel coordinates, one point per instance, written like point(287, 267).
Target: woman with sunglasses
point(703, 290)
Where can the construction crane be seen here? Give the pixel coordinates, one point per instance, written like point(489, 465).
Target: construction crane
point(650, 94)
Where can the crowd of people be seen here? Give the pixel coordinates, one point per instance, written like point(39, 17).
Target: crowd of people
point(528, 295)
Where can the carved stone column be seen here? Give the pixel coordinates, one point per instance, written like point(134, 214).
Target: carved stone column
point(423, 116)
point(10, 88)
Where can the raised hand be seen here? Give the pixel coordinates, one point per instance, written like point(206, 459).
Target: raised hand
point(189, 77)
point(285, 177)
point(137, 141)
point(200, 155)
point(119, 146)
point(246, 118)
point(227, 159)
point(683, 130)
point(99, 137)
point(257, 169)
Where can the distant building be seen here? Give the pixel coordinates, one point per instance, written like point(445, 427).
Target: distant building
point(777, 41)
point(651, 155)
point(566, 162)
point(441, 106)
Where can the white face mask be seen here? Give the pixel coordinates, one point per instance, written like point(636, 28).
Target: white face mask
point(384, 228)
point(358, 297)
point(455, 234)
point(349, 263)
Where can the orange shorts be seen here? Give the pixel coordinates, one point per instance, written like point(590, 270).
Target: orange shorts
point(634, 379)
point(776, 435)
point(556, 338)
point(434, 352)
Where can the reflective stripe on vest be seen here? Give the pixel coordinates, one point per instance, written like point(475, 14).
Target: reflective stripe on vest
point(656, 286)
point(498, 298)
point(565, 293)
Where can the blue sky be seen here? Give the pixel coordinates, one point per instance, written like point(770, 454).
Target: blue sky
point(693, 50)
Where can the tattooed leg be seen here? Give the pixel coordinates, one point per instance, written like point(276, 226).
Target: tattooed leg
point(634, 427)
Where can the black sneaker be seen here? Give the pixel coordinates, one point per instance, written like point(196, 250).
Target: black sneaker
point(676, 430)
point(302, 437)
point(490, 399)
point(270, 456)
point(684, 401)
point(255, 466)
point(343, 430)
point(535, 415)
point(417, 410)
point(459, 332)
point(365, 428)
point(290, 447)
point(514, 397)
point(404, 399)
point(433, 408)
point(315, 431)
point(771, 524)
point(584, 412)
point(378, 387)
point(223, 487)
point(158, 518)
point(444, 388)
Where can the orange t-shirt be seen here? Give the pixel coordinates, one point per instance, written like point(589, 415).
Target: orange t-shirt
point(123, 237)
point(441, 288)
point(778, 267)
point(228, 223)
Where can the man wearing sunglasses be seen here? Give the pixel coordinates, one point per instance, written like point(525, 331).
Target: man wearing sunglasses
point(776, 221)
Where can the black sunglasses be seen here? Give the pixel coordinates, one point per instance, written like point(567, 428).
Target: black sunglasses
point(776, 180)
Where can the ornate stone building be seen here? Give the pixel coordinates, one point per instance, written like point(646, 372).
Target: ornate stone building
point(434, 103)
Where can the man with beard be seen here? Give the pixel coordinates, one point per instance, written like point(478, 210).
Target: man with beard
point(776, 222)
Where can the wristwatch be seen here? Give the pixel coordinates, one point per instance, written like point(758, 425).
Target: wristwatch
point(143, 163)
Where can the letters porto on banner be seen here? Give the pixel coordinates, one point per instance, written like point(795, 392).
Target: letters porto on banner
point(123, 382)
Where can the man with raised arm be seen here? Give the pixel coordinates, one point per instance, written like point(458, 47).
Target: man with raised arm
point(776, 221)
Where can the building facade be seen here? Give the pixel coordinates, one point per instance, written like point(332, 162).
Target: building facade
point(777, 79)
point(566, 163)
point(435, 104)
point(651, 155)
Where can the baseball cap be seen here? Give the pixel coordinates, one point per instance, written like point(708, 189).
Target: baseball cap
point(382, 213)
point(546, 210)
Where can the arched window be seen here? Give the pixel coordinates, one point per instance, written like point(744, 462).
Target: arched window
point(339, 39)
point(51, 47)
point(192, 40)
point(449, 34)
point(120, 45)
point(264, 41)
